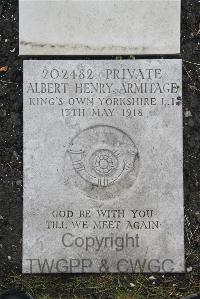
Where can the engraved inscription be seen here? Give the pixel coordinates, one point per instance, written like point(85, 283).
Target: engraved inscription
point(102, 156)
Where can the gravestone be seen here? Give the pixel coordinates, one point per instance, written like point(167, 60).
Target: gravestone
point(103, 162)
point(68, 27)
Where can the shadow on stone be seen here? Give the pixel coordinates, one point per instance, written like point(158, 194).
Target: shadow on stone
point(15, 295)
point(193, 296)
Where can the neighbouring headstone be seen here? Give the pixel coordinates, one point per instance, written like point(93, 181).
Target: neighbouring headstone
point(112, 27)
point(15, 294)
point(103, 161)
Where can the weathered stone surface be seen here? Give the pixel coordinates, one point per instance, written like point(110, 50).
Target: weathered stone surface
point(99, 27)
point(103, 183)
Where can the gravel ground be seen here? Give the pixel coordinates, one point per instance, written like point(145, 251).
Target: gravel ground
point(11, 181)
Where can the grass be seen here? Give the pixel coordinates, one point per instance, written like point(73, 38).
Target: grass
point(113, 286)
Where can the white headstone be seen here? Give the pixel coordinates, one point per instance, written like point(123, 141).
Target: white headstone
point(111, 27)
point(103, 159)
